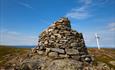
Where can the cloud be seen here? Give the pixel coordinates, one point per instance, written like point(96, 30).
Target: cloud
point(16, 38)
point(81, 12)
point(101, 2)
point(78, 14)
point(112, 29)
point(86, 2)
point(25, 5)
point(111, 26)
point(84, 11)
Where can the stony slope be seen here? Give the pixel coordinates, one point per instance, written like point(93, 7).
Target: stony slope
point(107, 55)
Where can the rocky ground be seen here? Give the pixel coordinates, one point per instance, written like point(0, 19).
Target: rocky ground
point(103, 58)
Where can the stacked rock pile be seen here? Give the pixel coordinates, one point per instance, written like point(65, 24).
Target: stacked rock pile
point(60, 41)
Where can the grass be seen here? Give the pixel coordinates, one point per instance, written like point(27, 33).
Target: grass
point(8, 52)
point(105, 59)
point(104, 55)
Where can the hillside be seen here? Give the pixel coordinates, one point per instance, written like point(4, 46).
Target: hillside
point(106, 55)
point(8, 53)
point(11, 55)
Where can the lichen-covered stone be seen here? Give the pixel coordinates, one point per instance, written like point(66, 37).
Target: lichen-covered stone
point(76, 57)
point(57, 50)
point(53, 54)
point(71, 51)
point(40, 52)
point(63, 55)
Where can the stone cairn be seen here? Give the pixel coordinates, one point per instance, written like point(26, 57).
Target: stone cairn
point(60, 41)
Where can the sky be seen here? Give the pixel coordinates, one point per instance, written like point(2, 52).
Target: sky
point(21, 21)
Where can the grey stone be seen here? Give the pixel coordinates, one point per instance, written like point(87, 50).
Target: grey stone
point(31, 64)
point(33, 50)
point(112, 62)
point(83, 56)
point(76, 57)
point(60, 21)
point(52, 36)
point(46, 42)
point(40, 52)
point(47, 51)
point(71, 51)
point(65, 64)
point(74, 32)
point(74, 44)
point(63, 55)
point(58, 35)
point(50, 30)
point(87, 59)
point(57, 50)
point(53, 54)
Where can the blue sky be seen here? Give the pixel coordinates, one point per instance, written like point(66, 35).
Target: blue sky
point(21, 21)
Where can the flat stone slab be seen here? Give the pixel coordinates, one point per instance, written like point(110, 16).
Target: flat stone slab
point(71, 51)
point(57, 50)
point(76, 57)
point(40, 52)
point(63, 55)
point(53, 54)
point(112, 62)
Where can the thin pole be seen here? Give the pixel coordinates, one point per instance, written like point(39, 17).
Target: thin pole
point(97, 40)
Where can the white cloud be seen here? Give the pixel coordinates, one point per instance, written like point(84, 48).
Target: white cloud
point(86, 2)
point(112, 29)
point(111, 26)
point(78, 14)
point(15, 38)
point(25, 5)
point(101, 2)
point(84, 11)
point(81, 12)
